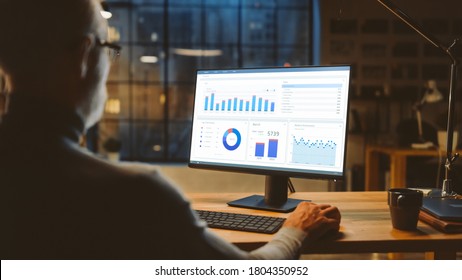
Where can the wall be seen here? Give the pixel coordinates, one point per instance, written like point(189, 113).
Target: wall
point(391, 63)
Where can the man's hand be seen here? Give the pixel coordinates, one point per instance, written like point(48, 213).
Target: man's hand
point(315, 220)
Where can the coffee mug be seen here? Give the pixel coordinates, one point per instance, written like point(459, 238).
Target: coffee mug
point(404, 207)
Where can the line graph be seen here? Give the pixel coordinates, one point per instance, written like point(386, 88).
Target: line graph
point(316, 152)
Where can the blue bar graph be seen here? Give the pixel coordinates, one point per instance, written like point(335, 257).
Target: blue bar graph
point(255, 104)
point(212, 100)
point(273, 148)
point(259, 149)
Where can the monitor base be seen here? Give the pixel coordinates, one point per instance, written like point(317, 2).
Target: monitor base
point(258, 202)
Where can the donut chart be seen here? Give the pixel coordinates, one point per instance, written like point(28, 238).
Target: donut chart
point(231, 139)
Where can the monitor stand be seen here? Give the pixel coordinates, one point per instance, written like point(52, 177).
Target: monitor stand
point(275, 198)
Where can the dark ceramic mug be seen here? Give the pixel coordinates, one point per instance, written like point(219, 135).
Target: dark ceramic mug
point(404, 207)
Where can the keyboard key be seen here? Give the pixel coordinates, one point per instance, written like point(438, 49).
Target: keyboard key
point(242, 222)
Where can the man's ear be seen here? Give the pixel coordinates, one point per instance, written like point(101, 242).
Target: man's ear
point(84, 53)
point(5, 82)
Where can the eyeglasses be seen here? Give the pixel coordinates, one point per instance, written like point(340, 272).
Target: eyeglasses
point(113, 49)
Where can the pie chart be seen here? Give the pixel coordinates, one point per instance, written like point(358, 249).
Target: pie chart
point(231, 139)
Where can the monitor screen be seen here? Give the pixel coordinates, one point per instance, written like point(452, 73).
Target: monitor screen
point(275, 121)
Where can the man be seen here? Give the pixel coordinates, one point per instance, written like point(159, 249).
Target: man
point(59, 201)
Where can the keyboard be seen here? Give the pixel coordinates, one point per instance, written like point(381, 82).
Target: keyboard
point(242, 222)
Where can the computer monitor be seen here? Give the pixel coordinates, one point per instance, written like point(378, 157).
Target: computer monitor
point(281, 122)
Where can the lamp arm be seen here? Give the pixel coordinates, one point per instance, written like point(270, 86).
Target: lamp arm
point(417, 28)
point(450, 158)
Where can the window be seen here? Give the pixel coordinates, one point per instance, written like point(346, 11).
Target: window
point(151, 86)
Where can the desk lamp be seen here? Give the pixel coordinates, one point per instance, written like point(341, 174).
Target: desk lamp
point(431, 95)
point(450, 157)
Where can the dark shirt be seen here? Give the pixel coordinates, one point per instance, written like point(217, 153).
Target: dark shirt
point(60, 202)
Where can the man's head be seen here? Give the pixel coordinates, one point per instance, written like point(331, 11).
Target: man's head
point(51, 48)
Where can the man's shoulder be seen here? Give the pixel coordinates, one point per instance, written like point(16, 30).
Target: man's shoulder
point(133, 176)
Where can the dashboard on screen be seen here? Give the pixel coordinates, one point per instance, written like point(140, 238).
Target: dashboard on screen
point(272, 120)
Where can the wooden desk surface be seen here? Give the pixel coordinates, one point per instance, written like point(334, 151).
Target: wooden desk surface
point(365, 226)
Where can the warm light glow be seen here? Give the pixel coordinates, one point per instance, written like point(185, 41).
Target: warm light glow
point(197, 52)
point(113, 34)
point(162, 99)
point(106, 14)
point(149, 59)
point(157, 148)
point(112, 106)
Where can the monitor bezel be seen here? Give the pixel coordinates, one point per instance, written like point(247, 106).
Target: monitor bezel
point(265, 170)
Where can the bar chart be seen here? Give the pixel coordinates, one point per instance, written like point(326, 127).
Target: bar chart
point(235, 104)
point(272, 149)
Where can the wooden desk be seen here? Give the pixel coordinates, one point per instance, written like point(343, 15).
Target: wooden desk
point(398, 166)
point(365, 227)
